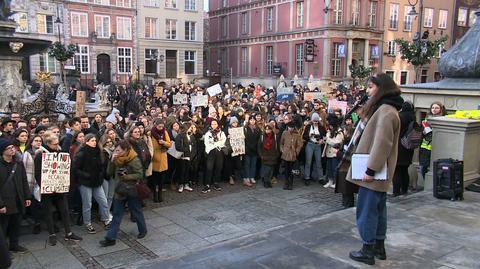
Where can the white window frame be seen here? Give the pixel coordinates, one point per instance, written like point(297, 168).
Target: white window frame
point(244, 17)
point(102, 2)
point(428, 21)
point(400, 78)
point(224, 26)
point(124, 3)
point(151, 3)
point(392, 48)
point(472, 18)
point(171, 29)
point(124, 59)
point(152, 32)
point(45, 28)
point(102, 33)
point(372, 13)
point(407, 20)
point(148, 57)
point(171, 4)
point(442, 19)
point(356, 8)
point(269, 59)
point(225, 3)
point(124, 28)
point(300, 14)
point(462, 16)
point(244, 60)
point(299, 59)
point(191, 5)
point(22, 19)
point(338, 12)
point(189, 59)
point(269, 19)
point(49, 63)
point(190, 30)
point(82, 29)
point(80, 56)
point(336, 61)
point(393, 21)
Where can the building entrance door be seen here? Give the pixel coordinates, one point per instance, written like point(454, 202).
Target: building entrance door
point(171, 63)
point(103, 69)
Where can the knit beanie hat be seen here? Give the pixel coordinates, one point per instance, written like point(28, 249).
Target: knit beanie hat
point(315, 117)
point(111, 118)
point(233, 119)
point(4, 143)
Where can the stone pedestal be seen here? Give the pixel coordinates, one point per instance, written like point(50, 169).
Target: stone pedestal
point(458, 139)
point(80, 104)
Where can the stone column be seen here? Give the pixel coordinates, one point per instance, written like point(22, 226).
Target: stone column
point(349, 56)
point(366, 54)
point(80, 104)
point(458, 139)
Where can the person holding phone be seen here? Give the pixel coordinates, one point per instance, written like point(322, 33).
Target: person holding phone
point(379, 139)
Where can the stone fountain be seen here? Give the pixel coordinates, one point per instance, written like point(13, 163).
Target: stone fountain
point(12, 51)
point(459, 90)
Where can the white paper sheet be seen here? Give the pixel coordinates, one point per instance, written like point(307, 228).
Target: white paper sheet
point(359, 166)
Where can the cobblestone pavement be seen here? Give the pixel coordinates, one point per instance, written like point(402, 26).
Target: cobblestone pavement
point(423, 233)
point(184, 223)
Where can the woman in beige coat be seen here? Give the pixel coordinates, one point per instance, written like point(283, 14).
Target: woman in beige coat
point(161, 143)
point(381, 129)
point(291, 144)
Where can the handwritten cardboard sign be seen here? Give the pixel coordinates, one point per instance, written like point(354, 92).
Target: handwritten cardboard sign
point(55, 173)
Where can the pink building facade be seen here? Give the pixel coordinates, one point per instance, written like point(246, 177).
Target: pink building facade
point(258, 41)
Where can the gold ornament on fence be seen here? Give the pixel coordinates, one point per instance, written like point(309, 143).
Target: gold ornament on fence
point(43, 76)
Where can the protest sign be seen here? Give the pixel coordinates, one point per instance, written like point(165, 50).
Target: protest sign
point(55, 173)
point(180, 99)
point(310, 96)
point(285, 94)
point(335, 104)
point(237, 141)
point(214, 90)
point(200, 100)
point(172, 151)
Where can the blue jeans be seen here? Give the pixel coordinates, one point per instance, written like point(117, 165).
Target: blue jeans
point(99, 194)
point(250, 166)
point(109, 189)
point(332, 164)
point(310, 150)
point(135, 207)
point(266, 172)
point(371, 215)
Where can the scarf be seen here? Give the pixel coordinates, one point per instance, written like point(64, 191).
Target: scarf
point(215, 132)
point(158, 134)
point(268, 143)
point(123, 160)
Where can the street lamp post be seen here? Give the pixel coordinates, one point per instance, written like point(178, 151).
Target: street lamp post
point(62, 66)
point(418, 35)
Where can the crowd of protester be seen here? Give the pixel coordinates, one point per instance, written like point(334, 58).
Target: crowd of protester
point(291, 139)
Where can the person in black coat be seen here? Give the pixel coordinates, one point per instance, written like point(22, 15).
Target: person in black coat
point(401, 178)
point(252, 135)
point(88, 167)
point(269, 151)
point(186, 142)
point(14, 194)
point(5, 259)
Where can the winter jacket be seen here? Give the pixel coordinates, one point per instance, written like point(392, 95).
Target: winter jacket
point(380, 141)
point(291, 144)
point(333, 144)
point(160, 159)
point(269, 157)
point(143, 153)
point(18, 183)
point(187, 146)
point(252, 136)
point(29, 165)
point(88, 167)
point(405, 156)
point(306, 133)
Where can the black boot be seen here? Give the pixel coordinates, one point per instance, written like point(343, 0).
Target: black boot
point(155, 196)
point(365, 255)
point(348, 200)
point(379, 250)
point(307, 182)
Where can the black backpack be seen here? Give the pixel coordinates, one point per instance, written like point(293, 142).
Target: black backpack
point(413, 137)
